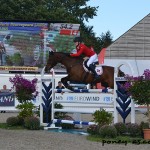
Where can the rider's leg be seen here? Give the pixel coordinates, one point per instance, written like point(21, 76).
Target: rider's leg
point(92, 59)
point(91, 66)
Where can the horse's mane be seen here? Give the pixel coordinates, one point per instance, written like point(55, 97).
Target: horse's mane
point(80, 58)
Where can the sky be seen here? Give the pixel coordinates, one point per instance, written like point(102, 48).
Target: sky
point(117, 16)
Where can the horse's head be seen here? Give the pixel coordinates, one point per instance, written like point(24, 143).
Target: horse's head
point(60, 57)
point(51, 62)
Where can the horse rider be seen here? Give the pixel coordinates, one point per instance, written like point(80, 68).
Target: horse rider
point(83, 49)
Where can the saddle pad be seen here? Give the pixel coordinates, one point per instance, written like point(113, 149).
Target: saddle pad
point(99, 69)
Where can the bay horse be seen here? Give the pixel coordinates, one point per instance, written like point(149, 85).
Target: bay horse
point(76, 72)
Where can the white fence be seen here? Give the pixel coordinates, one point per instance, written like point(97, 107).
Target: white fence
point(84, 102)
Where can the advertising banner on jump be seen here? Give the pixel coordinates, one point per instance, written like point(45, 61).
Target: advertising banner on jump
point(84, 98)
point(25, 45)
point(7, 99)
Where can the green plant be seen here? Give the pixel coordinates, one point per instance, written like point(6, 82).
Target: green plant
point(12, 121)
point(20, 120)
point(108, 131)
point(139, 89)
point(121, 128)
point(25, 91)
point(102, 117)
point(66, 125)
point(133, 129)
point(6, 126)
point(26, 109)
point(93, 129)
point(32, 123)
point(59, 115)
point(143, 125)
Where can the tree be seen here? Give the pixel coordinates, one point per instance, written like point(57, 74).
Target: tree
point(68, 10)
point(97, 42)
point(106, 39)
point(23, 9)
point(89, 37)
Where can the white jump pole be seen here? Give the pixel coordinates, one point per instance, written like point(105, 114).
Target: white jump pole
point(132, 111)
point(41, 108)
point(115, 96)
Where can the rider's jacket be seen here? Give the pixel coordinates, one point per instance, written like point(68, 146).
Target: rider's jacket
point(83, 49)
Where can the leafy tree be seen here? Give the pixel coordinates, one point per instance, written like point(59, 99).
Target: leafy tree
point(23, 9)
point(89, 37)
point(97, 42)
point(106, 39)
point(68, 10)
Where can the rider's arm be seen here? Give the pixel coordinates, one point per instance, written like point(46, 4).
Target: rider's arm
point(78, 53)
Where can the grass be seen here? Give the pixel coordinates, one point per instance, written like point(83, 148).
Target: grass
point(128, 139)
point(124, 140)
point(5, 126)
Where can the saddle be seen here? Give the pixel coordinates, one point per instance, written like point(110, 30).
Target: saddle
point(98, 67)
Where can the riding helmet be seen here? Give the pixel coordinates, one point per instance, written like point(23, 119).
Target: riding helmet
point(77, 39)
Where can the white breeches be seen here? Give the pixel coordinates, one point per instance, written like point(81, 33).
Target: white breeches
point(92, 59)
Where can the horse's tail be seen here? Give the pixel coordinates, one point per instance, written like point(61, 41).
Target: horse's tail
point(121, 73)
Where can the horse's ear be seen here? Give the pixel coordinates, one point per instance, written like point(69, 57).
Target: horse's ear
point(51, 53)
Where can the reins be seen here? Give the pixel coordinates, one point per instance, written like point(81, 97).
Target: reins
point(61, 58)
point(70, 65)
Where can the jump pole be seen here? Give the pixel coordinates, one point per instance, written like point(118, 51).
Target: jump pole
point(115, 94)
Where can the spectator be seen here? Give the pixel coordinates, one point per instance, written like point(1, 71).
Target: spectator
point(60, 86)
point(5, 89)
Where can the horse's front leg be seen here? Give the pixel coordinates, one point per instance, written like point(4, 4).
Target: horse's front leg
point(65, 83)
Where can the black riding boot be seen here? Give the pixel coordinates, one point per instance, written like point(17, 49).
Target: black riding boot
point(92, 68)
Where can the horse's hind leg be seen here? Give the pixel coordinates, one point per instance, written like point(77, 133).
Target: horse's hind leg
point(64, 81)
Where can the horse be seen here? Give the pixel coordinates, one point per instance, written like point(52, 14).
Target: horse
point(76, 71)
